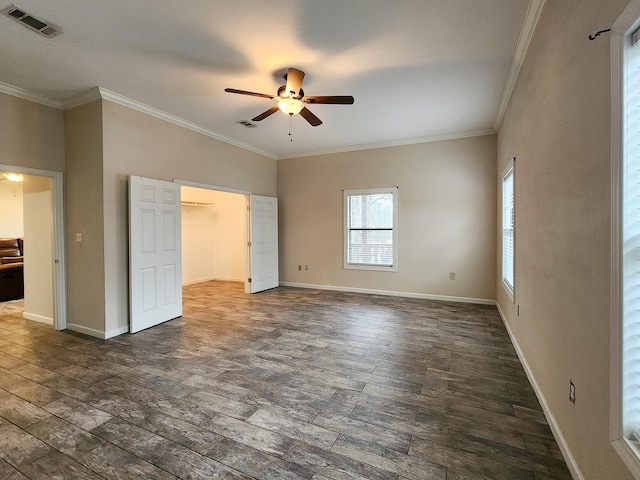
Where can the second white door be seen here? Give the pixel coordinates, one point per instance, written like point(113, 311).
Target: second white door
point(263, 238)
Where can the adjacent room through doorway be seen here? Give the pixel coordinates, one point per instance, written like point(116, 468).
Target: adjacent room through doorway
point(214, 235)
point(26, 221)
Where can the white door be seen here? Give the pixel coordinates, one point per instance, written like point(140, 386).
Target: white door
point(263, 238)
point(155, 255)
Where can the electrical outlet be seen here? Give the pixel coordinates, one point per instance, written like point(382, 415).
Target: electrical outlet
point(572, 392)
point(452, 275)
point(299, 267)
point(306, 267)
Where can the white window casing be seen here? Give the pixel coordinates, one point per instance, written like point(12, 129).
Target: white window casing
point(508, 229)
point(370, 229)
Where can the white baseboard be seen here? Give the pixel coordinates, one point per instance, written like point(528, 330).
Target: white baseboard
point(202, 280)
point(392, 293)
point(86, 330)
point(116, 331)
point(37, 318)
point(551, 419)
point(98, 333)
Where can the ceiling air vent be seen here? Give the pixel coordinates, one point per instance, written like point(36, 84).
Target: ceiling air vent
point(42, 27)
point(246, 123)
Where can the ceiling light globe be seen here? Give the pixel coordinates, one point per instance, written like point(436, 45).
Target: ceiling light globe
point(290, 106)
point(14, 177)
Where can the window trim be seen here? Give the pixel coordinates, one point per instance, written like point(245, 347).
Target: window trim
point(628, 21)
point(345, 233)
point(508, 288)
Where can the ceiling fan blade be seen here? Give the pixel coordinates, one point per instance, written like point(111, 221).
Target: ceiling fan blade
point(334, 100)
point(264, 115)
point(244, 92)
point(294, 81)
point(310, 117)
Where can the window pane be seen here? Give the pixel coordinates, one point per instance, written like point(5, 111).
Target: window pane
point(630, 247)
point(371, 211)
point(370, 247)
point(508, 229)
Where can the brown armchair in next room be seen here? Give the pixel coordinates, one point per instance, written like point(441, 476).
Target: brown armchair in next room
point(11, 269)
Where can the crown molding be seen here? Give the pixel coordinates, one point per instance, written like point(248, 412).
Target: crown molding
point(168, 117)
point(531, 20)
point(99, 93)
point(81, 98)
point(104, 94)
point(393, 143)
point(27, 95)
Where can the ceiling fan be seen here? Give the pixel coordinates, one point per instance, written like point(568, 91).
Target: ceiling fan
point(291, 99)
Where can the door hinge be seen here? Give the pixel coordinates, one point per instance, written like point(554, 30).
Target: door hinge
point(249, 208)
point(249, 280)
point(248, 244)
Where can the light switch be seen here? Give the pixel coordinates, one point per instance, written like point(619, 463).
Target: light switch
point(78, 237)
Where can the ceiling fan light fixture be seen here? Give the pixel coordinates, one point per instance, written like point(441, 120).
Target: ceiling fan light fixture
point(291, 99)
point(290, 106)
point(14, 177)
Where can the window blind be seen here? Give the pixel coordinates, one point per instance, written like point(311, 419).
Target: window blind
point(370, 225)
point(631, 243)
point(508, 233)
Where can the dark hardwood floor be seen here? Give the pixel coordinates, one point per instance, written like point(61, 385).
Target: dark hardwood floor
point(286, 384)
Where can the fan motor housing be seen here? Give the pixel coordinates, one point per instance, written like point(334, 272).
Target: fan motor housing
point(283, 89)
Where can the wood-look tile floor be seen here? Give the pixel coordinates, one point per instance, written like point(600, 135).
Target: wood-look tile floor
point(286, 384)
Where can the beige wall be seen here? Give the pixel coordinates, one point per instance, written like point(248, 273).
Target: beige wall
point(31, 135)
point(558, 126)
point(446, 217)
point(139, 144)
point(38, 241)
point(11, 221)
point(84, 215)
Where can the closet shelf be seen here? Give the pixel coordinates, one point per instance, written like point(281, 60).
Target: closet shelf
point(197, 204)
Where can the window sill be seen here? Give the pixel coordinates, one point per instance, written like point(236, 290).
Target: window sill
point(375, 268)
point(509, 291)
point(629, 452)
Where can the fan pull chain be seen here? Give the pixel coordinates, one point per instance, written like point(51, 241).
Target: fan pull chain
point(290, 126)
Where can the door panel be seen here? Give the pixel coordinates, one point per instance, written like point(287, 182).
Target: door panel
point(155, 261)
point(264, 243)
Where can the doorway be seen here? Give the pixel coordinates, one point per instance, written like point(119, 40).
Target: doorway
point(214, 235)
point(40, 197)
point(156, 253)
point(258, 245)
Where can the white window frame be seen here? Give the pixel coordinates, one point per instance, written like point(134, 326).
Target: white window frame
point(622, 352)
point(509, 203)
point(368, 191)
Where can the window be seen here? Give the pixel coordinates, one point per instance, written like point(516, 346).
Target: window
point(625, 256)
point(370, 231)
point(508, 232)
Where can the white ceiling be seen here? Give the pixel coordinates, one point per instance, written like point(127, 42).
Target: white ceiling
point(418, 69)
